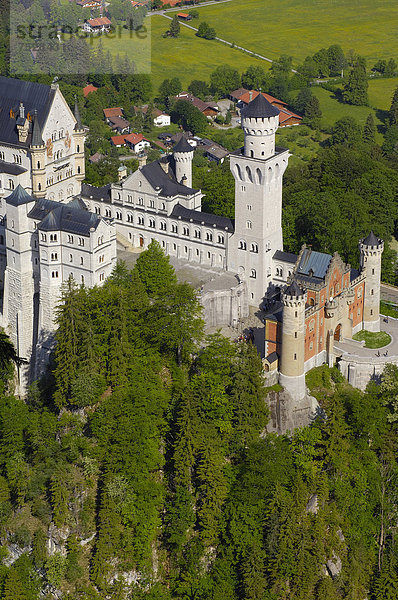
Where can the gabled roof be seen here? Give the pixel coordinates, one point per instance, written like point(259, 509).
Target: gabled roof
point(34, 96)
point(113, 112)
point(118, 122)
point(99, 22)
point(245, 97)
point(135, 138)
point(166, 182)
point(259, 108)
point(314, 264)
point(371, 240)
point(118, 140)
point(294, 290)
point(196, 216)
point(88, 89)
point(19, 196)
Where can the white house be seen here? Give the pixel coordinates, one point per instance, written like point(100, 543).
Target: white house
point(99, 25)
point(161, 119)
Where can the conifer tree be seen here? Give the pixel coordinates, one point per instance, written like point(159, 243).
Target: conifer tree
point(174, 30)
point(393, 112)
point(369, 130)
point(312, 112)
point(155, 271)
point(356, 88)
point(13, 587)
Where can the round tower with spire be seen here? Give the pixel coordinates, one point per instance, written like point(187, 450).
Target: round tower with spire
point(371, 248)
point(260, 121)
point(38, 157)
point(291, 370)
point(183, 156)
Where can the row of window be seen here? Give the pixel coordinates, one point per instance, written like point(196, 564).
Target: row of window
point(57, 135)
point(253, 246)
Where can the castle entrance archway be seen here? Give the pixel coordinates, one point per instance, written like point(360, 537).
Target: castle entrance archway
point(337, 333)
point(141, 241)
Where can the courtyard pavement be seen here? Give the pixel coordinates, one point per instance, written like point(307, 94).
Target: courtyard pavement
point(357, 348)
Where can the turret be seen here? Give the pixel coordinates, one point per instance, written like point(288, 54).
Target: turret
point(371, 248)
point(291, 370)
point(38, 157)
point(183, 156)
point(260, 121)
point(79, 136)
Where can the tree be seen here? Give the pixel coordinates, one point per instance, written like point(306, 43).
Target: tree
point(224, 79)
point(191, 118)
point(391, 68)
point(356, 89)
point(312, 112)
point(199, 88)
point(346, 131)
point(194, 13)
point(13, 587)
point(321, 58)
point(393, 112)
point(254, 78)
point(174, 30)
point(205, 31)
point(169, 88)
point(369, 131)
point(303, 98)
point(336, 58)
point(155, 271)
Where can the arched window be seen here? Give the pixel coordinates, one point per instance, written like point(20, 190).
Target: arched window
point(151, 223)
point(97, 210)
point(197, 234)
point(249, 174)
point(259, 176)
point(162, 225)
point(174, 228)
point(254, 248)
point(242, 245)
point(248, 224)
point(129, 218)
point(220, 239)
point(238, 172)
point(253, 273)
point(78, 148)
point(140, 220)
point(185, 231)
point(209, 236)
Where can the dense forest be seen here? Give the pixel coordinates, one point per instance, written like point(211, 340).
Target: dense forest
point(140, 466)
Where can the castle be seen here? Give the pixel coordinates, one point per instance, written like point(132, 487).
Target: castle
point(54, 226)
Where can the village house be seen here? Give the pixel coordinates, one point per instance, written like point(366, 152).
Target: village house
point(99, 25)
point(209, 109)
point(109, 113)
point(88, 89)
point(119, 124)
point(243, 97)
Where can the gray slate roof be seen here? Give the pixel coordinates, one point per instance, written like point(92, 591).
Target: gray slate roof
point(371, 240)
point(55, 216)
point(37, 139)
point(294, 290)
point(259, 108)
point(314, 264)
point(167, 182)
point(11, 168)
point(34, 96)
point(19, 196)
point(98, 193)
point(285, 256)
point(199, 217)
point(69, 219)
point(183, 146)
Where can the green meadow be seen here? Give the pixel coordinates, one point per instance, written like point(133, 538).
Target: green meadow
point(297, 28)
point(187, 57)
point(381, 91)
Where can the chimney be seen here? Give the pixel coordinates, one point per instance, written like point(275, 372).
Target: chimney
point(21, 111)
point(164, 163)
point(250, 95)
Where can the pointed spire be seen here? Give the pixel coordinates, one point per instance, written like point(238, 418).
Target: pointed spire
point(371, 240)
point(37, 139)
point(78, 126)
point(183, 145)
point(294, 290)
point(259, 108)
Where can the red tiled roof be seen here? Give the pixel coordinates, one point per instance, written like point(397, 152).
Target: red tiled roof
point(113, 112)
point(254, 93)
point(88, 89)
point(135, 138)
point(99, 22)
point(183, 15)
point(285, 115)
point(171, 2)
point(118, 140)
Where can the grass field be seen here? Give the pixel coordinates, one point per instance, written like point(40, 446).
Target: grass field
point(297, 28)
point(381, 91)
point(187, 57)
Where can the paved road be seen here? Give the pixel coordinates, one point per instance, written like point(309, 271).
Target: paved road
point(260, 56)
point(389, 293)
